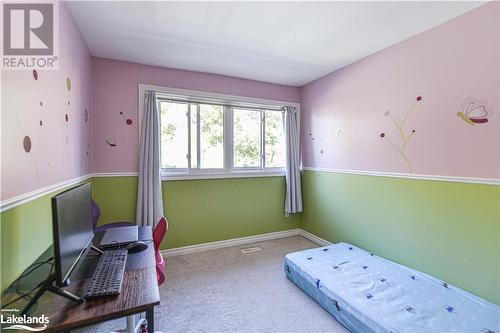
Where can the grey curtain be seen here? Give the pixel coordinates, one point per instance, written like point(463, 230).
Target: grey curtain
point(149, 193)
point(293, 196)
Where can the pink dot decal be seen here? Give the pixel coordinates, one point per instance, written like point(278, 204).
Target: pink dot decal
point(41, 123)
point(66, 117)
point(128, 121)
point(382, 135)
point(86, 115)
point(419, 98)
point(27, 144)
point(35, 74)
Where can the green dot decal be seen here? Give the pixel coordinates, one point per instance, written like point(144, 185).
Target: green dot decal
point(68, 83)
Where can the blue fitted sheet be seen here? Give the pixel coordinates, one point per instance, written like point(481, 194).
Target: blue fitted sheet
point(367, 293)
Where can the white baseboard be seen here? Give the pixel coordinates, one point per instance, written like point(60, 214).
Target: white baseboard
point(230, 242)
point(313, 238)
point(243, 240)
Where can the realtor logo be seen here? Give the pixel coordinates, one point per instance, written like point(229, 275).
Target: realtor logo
point(29, 35)
point(28, 29)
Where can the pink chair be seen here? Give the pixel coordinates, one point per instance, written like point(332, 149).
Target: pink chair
point(158, 233)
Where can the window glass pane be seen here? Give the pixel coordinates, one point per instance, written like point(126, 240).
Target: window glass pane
point(194, 136)
point(174, 135)
point(211, 136)
point(246, 132)
point(274, 139)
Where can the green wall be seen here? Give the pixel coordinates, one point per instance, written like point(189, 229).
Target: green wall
point(25, 232)
point(449, 230)
point(198, 211)
point(201, 211)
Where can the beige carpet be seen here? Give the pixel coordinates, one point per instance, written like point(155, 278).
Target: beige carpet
point(226, 291)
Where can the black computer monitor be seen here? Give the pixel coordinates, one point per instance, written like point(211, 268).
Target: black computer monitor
point(73, 230)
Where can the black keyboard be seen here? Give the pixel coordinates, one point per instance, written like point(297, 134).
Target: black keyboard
point(108, 275)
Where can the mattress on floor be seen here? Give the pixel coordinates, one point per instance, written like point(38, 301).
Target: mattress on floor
point(367, 293)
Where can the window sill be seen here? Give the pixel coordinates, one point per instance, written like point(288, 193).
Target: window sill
point(221, 175)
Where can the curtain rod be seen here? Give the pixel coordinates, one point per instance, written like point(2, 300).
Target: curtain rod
point(242, 105)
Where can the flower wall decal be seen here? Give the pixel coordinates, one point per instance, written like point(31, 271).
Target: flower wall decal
point(401, 147)
point(68, 107)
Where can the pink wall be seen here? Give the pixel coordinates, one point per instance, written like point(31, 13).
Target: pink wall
point(448, 66)
point(116, 90)
point(59, 148)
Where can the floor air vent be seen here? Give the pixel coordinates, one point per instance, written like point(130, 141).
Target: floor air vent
point(251, 249)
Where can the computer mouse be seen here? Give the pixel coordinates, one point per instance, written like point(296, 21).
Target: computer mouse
point(136, 247)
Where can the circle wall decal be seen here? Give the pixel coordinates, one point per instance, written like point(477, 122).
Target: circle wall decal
point(27, 144)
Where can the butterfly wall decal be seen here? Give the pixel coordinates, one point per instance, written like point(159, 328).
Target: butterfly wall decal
point(474, 113)
point(110, 142)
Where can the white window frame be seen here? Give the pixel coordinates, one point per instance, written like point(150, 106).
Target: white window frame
point(229, 171)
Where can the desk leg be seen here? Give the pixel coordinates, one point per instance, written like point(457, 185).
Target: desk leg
point(150, 317)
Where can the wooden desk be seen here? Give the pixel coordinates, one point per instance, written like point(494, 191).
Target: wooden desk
point(139, 292)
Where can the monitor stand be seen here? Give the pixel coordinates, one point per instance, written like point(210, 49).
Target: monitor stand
point(48, 285)
point(96, 249)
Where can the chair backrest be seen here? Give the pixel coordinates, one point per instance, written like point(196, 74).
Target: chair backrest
point(160, 276)
point(96, 213)
point(159, 232)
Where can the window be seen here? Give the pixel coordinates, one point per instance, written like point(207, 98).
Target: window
point(247, 138)
point(211, 128)
point(174, 132)
point(274, 139)
point(201, 137)
point(192, 136)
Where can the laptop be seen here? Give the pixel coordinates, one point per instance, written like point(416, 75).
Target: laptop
point(118, 237)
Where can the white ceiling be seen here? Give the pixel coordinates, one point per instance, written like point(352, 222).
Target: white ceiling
point(290, 43)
